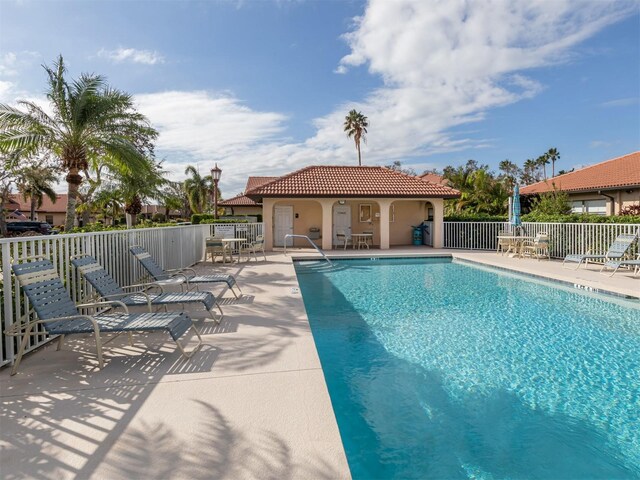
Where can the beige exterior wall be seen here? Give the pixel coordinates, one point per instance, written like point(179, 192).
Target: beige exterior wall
point(390, 226)
point(246, 210)
point(621, 199)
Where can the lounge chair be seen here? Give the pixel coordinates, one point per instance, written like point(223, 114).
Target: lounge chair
point(538, 247)
point(616, 251)
point(178, 276)
point(216, 247)
point(139, 295)
point(616, 264)
point(253, 248)
point(60, 316)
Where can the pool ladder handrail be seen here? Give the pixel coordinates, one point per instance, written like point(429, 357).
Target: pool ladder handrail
point(319, 250)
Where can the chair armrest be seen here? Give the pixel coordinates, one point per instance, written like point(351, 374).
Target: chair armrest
point(107, 303)
point(180, 270)
point(144, 286)
point(15, 328)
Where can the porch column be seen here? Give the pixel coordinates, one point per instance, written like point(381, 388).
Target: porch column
point(327, 223)
point(438, 222)
point(267, 218)
point(385, 206)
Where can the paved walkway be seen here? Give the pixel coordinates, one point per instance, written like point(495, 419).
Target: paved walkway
point(252, 404)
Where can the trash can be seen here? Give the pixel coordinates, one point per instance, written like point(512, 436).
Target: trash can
point(417, 235)
point(427, 228)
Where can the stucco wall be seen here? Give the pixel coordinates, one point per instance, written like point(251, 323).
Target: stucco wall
point(622, 198)
point(253, 211)
point(306, 214)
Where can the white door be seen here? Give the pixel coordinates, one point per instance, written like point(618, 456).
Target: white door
point(341, 221)
point(283, 225)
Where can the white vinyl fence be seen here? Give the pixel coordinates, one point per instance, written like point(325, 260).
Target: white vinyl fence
point(171, 247)
point(564, 238)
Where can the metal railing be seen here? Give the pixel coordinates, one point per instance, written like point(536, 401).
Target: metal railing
point(564, 238)
point(171, 247)
point(318, 249)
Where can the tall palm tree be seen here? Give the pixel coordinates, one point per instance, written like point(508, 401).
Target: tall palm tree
point(355, 124)
point(89, 118)
point(198, 189)
point(543, 161)
point(34, 184)
point(554, 155)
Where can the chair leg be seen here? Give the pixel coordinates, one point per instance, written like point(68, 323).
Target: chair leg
point(99, 346)
point(21, 349)
point(217, 319)
point(130, 339)
point(195, 349)
point(60, 343)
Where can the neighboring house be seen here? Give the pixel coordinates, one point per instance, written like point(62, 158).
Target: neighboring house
point(333, 199)
point(604, 188)
point(434, 178)
point(243, 205)
point(148, 211)
point(50, 212)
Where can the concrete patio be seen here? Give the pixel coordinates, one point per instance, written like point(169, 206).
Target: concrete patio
point(251, 404)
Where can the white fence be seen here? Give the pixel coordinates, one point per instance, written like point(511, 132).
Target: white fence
point(171, 247)
point(564, 238)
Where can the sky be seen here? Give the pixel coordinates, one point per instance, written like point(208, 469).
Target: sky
point(262, 87)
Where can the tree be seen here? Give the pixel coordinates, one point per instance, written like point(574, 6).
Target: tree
point(198, 189)
point(8, 176)
point(510, 173)
point(542, 161)
point(173, 197)
point(355, 125)
point(554, 156)
point(397, 166)
point(530, 172)
point(34, 183)
point(89, 119)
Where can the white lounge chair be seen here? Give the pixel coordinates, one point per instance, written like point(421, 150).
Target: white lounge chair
point(617, 251)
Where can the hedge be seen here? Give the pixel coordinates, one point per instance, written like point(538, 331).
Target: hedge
point(545, 218)
point(198, 218)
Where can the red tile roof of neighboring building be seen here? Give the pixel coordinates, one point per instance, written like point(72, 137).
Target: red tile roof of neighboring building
point(342, 181)
point(60, 206)
point(239, 201)
point(254, 182)
point(434, 178)
point(615, 173)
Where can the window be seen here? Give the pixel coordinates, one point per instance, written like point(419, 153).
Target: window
point(49, 219)
point(365, 212)
point(594, 207)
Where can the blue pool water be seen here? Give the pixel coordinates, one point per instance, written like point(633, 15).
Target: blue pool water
point(439, 369)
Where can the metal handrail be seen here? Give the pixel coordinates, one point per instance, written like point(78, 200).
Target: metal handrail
point(291, 235)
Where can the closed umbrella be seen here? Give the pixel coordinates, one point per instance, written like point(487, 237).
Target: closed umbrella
point(516, 221)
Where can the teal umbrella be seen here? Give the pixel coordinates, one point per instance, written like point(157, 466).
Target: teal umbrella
point(516, 221)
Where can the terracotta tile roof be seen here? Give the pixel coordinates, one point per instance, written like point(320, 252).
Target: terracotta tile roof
point(617, 172)
point(434, 178)
point(342, 181)
point(239, 201)
point(60, 206)
point(254, 182)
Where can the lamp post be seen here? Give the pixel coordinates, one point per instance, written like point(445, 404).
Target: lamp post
point(215, 176)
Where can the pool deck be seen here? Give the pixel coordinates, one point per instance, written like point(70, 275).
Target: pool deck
point(251, 404)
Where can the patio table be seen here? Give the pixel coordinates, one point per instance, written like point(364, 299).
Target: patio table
point(361, 239)
point(515, 242)
point(231, 242)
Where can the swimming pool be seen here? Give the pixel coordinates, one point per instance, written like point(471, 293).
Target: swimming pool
point(440, 369)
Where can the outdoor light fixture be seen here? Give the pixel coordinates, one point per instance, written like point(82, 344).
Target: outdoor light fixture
point(216, 173)
point(341, 202)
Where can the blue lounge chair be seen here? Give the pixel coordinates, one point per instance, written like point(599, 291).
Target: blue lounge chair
point(60, 316)
point(178, 276)
point(616, 264)
point(138, 295)
point(616, 251)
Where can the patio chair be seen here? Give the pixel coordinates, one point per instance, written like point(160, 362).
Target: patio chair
point(343, 238)
point(504, 244)
point(617, 251)
point(139, 295)
point(59, 315)
point(178, 276)
point(616, 264)
point(253, 248)
point(538, 247)
point(216, 247)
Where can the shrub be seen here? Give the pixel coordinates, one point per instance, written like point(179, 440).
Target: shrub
point(579, 218)
point(198, 218)
point(631, 210)
point(158, 218)
point(475, 218)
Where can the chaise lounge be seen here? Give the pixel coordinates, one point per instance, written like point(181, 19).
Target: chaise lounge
point(617, 251)
point(178, 276)
point(59, 315)
point(108, 289)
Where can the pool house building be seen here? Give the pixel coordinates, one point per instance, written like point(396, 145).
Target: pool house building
point(331, 203)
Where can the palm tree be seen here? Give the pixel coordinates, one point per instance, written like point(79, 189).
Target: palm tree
point(198, 189)
point(543, 161)
point(89, 119)
point(530, 172)
point(34, 184)
point(355, 124)
point(554, 156)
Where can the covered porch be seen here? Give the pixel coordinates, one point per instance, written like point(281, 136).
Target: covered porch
point(382, 222)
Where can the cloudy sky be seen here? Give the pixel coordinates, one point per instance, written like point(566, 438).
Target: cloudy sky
point(262, 87)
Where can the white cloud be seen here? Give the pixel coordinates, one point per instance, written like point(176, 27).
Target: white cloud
point(133, 55)
point(621, 102)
